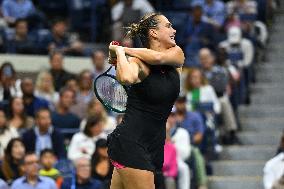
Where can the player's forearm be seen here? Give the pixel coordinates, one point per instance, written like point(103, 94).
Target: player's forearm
point(152, 57)
point(124, 71)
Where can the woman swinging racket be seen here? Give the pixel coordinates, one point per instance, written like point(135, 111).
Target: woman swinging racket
point(136, 146)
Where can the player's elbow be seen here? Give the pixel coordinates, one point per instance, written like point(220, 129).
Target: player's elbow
point(128, 79)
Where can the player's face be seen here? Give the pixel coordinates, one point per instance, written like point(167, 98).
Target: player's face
point(165, 32)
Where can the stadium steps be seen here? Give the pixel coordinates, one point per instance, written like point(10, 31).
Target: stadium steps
point(241, 167)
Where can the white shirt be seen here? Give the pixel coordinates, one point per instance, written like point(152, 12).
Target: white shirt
point(181, 140)
point(207, 94)
point(247, 49)
point(273, 170)
point(143, 5)
point(81, 142)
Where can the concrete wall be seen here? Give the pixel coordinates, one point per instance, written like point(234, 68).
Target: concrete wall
point(36, 63)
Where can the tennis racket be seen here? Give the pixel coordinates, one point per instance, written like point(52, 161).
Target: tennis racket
point(110, 92)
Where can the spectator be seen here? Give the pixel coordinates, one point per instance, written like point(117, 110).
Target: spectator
point(83, 176)
point(218, 78)
point(32, 103)
point(242, 7)
point(99, 63)
point(273, 171)
point(191, 121)
point(31, 178)
point(72, 84)
point(60, 76)
point(62, 117)
point(11, 166)
point(6, 133)
point(84, 95)
point(44, 135)
point(22, 42)
point(45, 89)
point(17, 116)
point(198, 34)
point(240, 50)
point(214, 12)
point(101, 167)
point(59, 39)
point(128, 11)
point(8, 87)
point(47, 161)
point(15, 9)
point(95, 108)
point(3, 184)
point(181, 140)
point(170, 168)
point(83, 143)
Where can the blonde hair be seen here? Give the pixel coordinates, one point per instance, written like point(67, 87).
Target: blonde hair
point(40, 78)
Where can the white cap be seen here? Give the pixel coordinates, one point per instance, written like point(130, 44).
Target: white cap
point(234, 35)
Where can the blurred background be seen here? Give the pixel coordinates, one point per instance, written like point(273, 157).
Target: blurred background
point(225, 130)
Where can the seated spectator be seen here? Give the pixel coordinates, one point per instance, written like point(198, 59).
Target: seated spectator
point(17, 116)
point(62, 117)
point(242, 7)
point(240, 50)
point(59, 39)
point(99, 63)
point(31, 178)
point(101, 167)
point(32, 103)
point(181, 140)
point(8, 87)
point(83, 143)
point(3, 184)
point(214, 12)
point(84, 95)
point(128, 11)
point(170, 169)
point(11, 166)
point(191, 121)
point(15, 9)
point(21, 42)
point(83, 176)
point(95, 108)
point(198, 91)
point(44, 88)
point(273, 171)
point(218, 78)
point(197, 34)
point(47, 162)
point(6, 133)
point(60, 76)
point(72, 84)
point(44, 135)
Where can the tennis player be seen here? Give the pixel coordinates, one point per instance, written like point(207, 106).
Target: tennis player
point(136, 146)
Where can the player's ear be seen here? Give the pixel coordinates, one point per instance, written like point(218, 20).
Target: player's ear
point(153, 33)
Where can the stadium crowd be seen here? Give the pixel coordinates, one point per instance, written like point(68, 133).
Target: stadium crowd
point(53, 129)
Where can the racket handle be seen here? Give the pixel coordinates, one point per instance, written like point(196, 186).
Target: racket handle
point(112, 58)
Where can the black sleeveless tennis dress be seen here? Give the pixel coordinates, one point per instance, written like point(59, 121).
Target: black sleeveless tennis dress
point(138, 142)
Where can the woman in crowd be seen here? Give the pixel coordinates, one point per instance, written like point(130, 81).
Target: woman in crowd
point(17, 116)
point(11, 166)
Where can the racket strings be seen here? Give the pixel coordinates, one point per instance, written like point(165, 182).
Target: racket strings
point(111, 92)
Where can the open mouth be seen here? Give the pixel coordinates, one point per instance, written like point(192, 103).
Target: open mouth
point(172, 37)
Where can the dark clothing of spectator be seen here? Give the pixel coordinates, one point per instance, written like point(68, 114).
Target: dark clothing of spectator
point(29, 139)
point(196, 36)
point(14, 168)
point(60, 78)
point(91, 184)
point(36, 104)
point(26, 46)
point(67, 120)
